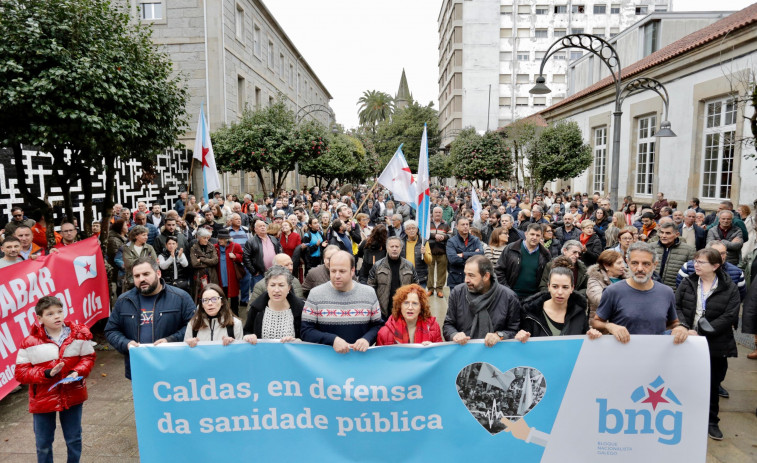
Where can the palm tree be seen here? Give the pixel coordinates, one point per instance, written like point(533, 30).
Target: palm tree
point(375, 106)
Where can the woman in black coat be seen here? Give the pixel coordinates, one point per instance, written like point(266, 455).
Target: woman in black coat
point(592, 245)
point(556, 312)
point(281, 304)
point(710, 294)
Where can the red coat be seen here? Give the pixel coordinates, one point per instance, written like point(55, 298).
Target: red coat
point(231, 246)
point(289, 244)
point(38, 353)
point(395, 332)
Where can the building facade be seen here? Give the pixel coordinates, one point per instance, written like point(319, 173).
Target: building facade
point(706, 74)
point(235, 56)
point(490, 52)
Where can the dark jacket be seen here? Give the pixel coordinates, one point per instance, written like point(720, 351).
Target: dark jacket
point(160, 241)
point(439, 247)
point(455, 263)
point(508, 265)
point(564, 235)
point(173, 310)
point(733, 272)
point(420, 265)
point(504, 313)
point(593, 249)
point(700, 236)
point(254, 323)
point(749, 316)
point(253, 254)
point(533, 320)
point(380, 279)
point(371, 255)
point(722, 312)
point(514, 235)
point(579, 286)
point(555, 248)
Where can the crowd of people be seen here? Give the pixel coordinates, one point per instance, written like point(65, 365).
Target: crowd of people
point(556, 264)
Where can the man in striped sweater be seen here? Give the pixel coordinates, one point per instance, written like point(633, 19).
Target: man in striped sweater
point(342, 313)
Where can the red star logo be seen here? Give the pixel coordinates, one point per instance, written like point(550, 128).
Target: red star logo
point(88, 267)
point(204, 157)
point(407, 169)
point(655, 398)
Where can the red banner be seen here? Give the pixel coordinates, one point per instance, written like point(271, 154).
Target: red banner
point(75, 275)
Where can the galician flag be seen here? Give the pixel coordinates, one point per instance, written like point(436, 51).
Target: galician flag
point(204, 153)
point(475, 203)
point(424, 193)
point(398, 179)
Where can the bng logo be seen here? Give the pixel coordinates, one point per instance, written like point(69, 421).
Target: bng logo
point(644, 418)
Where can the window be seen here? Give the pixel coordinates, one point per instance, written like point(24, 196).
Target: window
point(540, 55)
point(256, 39)
point(521, 101)
point(270, 54)
point(258, 101)
point(576, 30)
point(524, 9)
point(541, 33)
point(556, 99)
point(598, 31)
point(614, 31)
point(560, 56)
point(505, 78)
point(505, 101)
point(525, 32)
point(574, 55)
point(651, 37)
point(719, 148)
point(522, 79)
point(559, 32)
point(291, 75)
point(542, 9)
point(239, 22)
point(524, 56)
point(281, 66)
point(558, 78)
point(505, 33)
point(540, 101)
point(600, 158)
point(559, 9)
point(241, 95)
point(641, 10)
point(614, 9)
point(271, 101)
point(152, 11)
point(506, 9)
point(600, 9)
point(577, 9)
point(505, 56)
point(645, 155)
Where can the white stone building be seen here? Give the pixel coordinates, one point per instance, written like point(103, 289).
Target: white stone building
point(704, 72)
point(490, 52)
point(235, 55)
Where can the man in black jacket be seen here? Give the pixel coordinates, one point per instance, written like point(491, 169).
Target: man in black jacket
point(482, 308)
point(522, 263)
point(259, 252)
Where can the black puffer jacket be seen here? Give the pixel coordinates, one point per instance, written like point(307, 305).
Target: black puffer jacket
point(749, 317)
point(533, 320)
point(722, 311)
point(508, 265)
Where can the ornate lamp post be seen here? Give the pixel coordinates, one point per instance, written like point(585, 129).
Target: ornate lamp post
point(299, 117)
point(607, 54)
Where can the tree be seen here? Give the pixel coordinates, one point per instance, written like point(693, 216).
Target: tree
point(268, 139)
point(440, 166)
point(375, 107)
point(559, 152)
point(343, 160)
point(481, 157)
point(520, 135)
point(406, 128)
point(95, 90)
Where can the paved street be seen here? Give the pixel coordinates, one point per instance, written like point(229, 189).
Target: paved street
point(110, 433)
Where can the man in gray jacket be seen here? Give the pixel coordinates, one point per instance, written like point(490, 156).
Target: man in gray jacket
point(730, 236)
point(389, 274)
point(674, 253)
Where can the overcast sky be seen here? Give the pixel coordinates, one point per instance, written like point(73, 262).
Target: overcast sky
point(358, 45)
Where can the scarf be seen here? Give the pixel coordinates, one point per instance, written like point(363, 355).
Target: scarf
point(584, 238)
point(479, 304)
point(646, 230)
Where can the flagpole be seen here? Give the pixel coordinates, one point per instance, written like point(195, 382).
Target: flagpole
point(191, 171)
point(367, 195)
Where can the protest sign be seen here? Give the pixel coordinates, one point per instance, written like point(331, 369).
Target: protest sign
point(75, 275)
point(550, 400)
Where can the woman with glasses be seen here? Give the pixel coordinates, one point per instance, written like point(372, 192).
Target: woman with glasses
point(610, 268)
point(411, 320)
point(213, 320)
point(708, 301)
point(277, 313)
point(553, 245)
point(626, 237)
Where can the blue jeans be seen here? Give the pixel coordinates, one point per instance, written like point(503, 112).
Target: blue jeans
point(244, 289)
point(44, 433)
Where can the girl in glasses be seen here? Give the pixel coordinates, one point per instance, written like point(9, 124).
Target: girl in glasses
point(213, 320)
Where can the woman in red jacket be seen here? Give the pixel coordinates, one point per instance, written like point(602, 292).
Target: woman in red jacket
point(55, 350)
point(230, 255)
point(411, 320)
point(289, 239)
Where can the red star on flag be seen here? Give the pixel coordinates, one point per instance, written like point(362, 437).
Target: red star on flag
point(407, 169)
point(88, 267)
point(655, 398)
point(204, 157)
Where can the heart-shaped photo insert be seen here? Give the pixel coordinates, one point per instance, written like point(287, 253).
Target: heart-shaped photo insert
point(490, 395)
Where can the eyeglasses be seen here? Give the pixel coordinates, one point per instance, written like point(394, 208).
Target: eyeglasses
point(701, 262)
point(18, 215)
point(210, 299)
point(410, 304)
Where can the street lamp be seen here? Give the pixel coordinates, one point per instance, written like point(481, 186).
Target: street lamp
point(302, 114)
point(607, 54)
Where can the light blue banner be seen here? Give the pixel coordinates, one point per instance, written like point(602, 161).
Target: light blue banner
point(286, 402)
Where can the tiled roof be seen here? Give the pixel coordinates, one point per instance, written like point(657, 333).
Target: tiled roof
point(725, 26)
point(537, 119)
